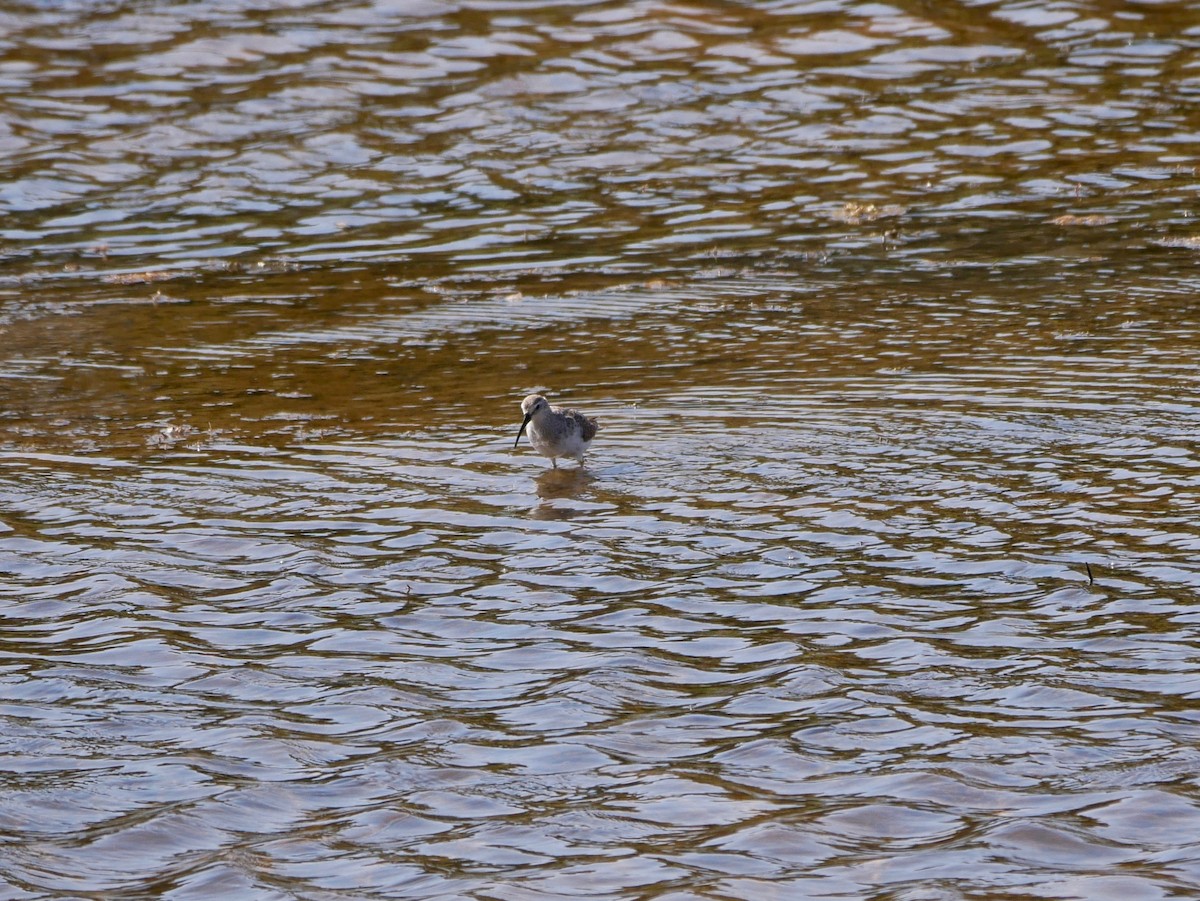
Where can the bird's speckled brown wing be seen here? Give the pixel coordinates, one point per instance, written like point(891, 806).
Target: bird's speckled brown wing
point(587, 425)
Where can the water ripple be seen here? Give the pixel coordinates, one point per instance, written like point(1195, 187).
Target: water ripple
point(879, 581)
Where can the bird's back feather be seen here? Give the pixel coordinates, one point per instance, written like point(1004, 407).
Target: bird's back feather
point(587, 425)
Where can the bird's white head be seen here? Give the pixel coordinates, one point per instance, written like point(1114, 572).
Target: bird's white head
point(531, 406)
point(534, 404)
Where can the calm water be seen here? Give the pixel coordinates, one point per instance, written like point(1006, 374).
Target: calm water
point(880, 581)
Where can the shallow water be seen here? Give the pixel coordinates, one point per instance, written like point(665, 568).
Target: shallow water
point(879, 580)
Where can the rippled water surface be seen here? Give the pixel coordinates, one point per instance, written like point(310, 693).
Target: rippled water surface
point(880, 580)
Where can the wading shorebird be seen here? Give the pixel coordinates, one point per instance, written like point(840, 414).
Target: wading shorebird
point(555, 431)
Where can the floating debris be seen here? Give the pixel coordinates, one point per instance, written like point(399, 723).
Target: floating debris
point(858, 213)
point(1192, 243)
point(140, 278)
point(1093, 219)
point(171, 435)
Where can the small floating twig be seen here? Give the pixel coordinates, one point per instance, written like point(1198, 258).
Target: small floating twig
point(1091, 578)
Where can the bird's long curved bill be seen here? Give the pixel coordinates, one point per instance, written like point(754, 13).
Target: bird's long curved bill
point(528, 416)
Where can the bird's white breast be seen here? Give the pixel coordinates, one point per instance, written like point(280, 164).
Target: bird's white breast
point(562, 438)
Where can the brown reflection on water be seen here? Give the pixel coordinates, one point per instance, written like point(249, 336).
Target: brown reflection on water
point(879, 579)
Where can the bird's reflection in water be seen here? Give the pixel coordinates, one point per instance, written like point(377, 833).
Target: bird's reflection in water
point(560, 484)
